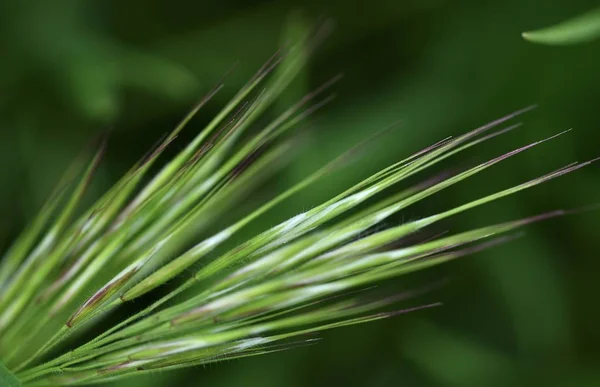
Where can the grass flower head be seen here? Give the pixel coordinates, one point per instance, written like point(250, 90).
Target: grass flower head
point(221, 298)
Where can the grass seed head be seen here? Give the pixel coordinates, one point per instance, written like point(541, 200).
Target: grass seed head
point(269, 292)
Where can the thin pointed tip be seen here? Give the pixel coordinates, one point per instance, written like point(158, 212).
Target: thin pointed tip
point(581, 210)
point(593, 160)
point(528, 108)
point(557, 135)
point(414, 309)
point(585, 163)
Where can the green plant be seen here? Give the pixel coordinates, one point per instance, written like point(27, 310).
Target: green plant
point(580, 29)
point(249, 297)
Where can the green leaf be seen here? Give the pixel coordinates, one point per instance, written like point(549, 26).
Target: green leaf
point(7, 379)
point(580, 29)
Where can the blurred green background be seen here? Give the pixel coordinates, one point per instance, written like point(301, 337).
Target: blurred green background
point(522, 314)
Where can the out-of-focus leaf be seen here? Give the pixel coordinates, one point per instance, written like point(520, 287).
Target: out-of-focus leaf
point(7, 379)
point(451, 360)
point(580, 29)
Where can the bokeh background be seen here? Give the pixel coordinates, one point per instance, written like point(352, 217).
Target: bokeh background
point(522, 314)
